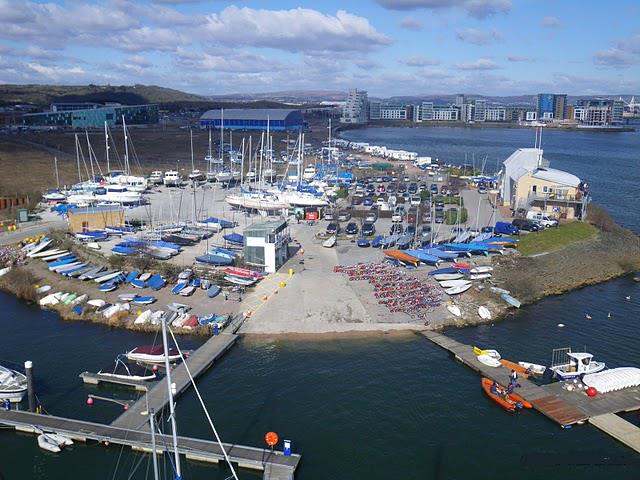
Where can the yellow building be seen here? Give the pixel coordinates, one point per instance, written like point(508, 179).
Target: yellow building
point(528, 183)
point(94, 218)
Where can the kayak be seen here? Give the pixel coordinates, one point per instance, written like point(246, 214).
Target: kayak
point(509, 402)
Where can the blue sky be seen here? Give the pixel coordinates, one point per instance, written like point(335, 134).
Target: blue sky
point(389, 47)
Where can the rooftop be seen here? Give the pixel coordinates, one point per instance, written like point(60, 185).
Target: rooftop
point(249, 114)
point(100, 209)
point(556, 176)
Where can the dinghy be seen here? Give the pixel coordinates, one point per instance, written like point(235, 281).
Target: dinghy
point(454, 309)
point(454, 283)
point(480, 276)
point(447, 276)
point(514, 302)
point(457, 290)
point(143, 318)
point(213, 291)
point(484, 313)
point(508, 401)
point(533, 368)
point(329, 242)
point(47, 443)
point(126, 371)
point(481, 269)
point(144, 300)
point(188, 291)
point(43, 289)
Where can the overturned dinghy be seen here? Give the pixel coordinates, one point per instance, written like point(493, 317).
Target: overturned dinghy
point(614, 379)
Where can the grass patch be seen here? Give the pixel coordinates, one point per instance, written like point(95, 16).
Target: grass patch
point(555, 238)
point(451, 216)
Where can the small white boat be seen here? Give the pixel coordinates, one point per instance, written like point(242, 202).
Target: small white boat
point(93, 245)
point(143, 318)
point(44, 243)
point(481, 269)
point(457, 290)
point(152, 354)
point(514, 302)
point(97, 302)
point(156, 317)
point(79, 300)
point(48, 253)
point(489, 360)
point(329, 242)
point(535, 368)
point(13, 385)
point(455, 310)
point(484, 313)
point(144, 277)
point(180, 319)
point(47, 443)
point(454, 283)
point(51, 299)
point(479, 276)
point(188, 291)
point(447, 276)
point(43, 289)
point(107, 276)
point(4, 271)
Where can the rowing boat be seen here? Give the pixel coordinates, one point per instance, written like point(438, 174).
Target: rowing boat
point(522, 371)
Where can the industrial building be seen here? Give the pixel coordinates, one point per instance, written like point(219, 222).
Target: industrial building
point(94, 218)
point(94, 117)
point(266, 245)
point(279, 119)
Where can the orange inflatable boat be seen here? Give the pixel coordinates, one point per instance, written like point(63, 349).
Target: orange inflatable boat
point(507, 401)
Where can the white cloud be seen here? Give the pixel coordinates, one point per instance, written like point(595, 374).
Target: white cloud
point(56, 73)
point(410, 23)
point(148, 39)
point(551, 22)
point(479, 37)
point(295, 30)
point(624, 53)
point(225, 61)
point(480, 64)
point(474, 8)
point(419, 61)
point(520, 58)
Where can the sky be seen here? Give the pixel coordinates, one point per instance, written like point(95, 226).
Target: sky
point(388, 47)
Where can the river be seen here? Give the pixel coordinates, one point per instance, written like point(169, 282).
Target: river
point(374, 407)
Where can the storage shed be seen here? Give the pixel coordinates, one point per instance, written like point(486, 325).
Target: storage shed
point(94, 218)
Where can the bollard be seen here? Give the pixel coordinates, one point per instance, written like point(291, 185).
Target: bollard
point(31, 392)
point(215, 330)
point(287, 448)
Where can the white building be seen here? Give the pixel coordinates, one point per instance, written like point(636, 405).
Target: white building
point(480, 111)
point(266, 245)
point(496, 114)
point(531, 116)
point(389, 112)
point(446, 114)
point(356, 108)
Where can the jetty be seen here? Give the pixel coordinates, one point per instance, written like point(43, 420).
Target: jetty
point(562, 406)
point(275, 464)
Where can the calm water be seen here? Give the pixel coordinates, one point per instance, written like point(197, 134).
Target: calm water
point(369, 408)
point(609, 162)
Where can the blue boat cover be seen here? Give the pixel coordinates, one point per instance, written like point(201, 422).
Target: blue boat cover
point(234, 238)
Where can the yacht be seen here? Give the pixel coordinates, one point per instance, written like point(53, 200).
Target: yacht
point(156, 177)
point(117, 194)
point(250, 176)
point(309, 173)
point(224, 176)
point(257, 201)
point(301, 199)
point(172, 178)
point(196, 176)
point(13, 385)
point(132, 182)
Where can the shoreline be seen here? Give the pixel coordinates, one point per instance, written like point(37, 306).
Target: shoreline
point(339, 130)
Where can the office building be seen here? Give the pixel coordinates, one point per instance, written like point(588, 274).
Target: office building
point(599, 112)
point(94, 117)
point(427, 111)
point(391, 112)
point(551, 106)
point(374, 110)
point(496, 114)
point(356, 108)
point(446, 114)
point(460, 100)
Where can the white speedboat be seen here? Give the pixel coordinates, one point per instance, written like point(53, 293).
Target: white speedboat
point(124, 371)
point(46, 442)
point(224, 176)
point(152, 354)
point(13, 385)
point(535, 368)
point(196, 176)
point(578, 364)
point(172, 178)
point(156, 177)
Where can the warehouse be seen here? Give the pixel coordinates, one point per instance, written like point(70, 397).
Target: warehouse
point(278, 119)
point(94, 117)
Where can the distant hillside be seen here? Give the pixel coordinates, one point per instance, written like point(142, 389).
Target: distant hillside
point(125, 94)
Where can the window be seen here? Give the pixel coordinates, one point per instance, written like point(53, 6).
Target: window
point(534, 188)
point(85, 226)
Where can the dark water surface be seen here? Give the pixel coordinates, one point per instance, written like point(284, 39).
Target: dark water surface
point(380, 407)
point(609, 162)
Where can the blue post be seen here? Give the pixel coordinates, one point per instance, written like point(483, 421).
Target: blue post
point(7, 404)
point(215, 330)
point(287, 448)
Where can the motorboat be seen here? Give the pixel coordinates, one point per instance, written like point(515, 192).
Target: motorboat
point(54, 196)
point(489, 360)
point(256, 201)
point(197, 176)
point(125, 371)
point(534, 368)
point(152, 354)
point(577, 364)
point(121, 194)
point(13, 385)
point(172, 178)
point(156, 177)
point(224, 176)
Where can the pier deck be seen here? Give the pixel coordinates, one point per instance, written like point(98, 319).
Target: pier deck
point(157, 398)
point(560, 405)
point(274, 464)
point(96, 379)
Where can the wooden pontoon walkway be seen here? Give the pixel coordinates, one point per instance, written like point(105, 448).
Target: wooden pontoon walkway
point(560, 405)
point(274, 464)
point(157, 398)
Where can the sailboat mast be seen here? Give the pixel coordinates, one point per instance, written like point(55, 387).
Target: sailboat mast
point(78, 157)
point(193, 167)
point(126, 147)
point(55, 163)
point(170, 387)
point(242, 164)
point(89, 149)
point(106, 145)
point(154, 453)
point(222, 137)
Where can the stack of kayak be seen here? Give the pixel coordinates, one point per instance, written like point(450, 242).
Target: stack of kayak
point(459, 277)
point(242, 276)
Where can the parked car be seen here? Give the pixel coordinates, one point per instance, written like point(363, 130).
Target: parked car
point(371, 217)
point(368, 229)
point(344, 215)
point(439, 218)
point(406, 178)
point(329, 216)
point(381, 200)
point(422, 187)
point(333, 229)
point(486, 230)
point(425, 231)
point(506, 228)
point(370, 188)
point(415, 200)
point(368, 201)
point(402, 188)
point(379, 179)
point(398, 215)
point(526, 225)
point(433, 188)
point(542, 219)
point(381, 188)
point(391, 188)
point(413, 188)
point(351, 229)
point(356, 201)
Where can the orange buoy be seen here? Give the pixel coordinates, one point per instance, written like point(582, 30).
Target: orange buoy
point(271, 438)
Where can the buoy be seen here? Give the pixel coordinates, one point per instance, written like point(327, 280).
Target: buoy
point(89, 401)
point(271, 438)
point(264, 297)
point(126, 407)
point(154, 369)
point(275, 291)
point(561, 325)
point(282, 284)
point(591, 392)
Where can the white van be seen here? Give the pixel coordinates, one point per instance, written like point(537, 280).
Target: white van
point(542, 218)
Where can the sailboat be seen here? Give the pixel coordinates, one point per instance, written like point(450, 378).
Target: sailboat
point(195, 175)
point(210, 160)
point(124, 178)
point(54, 195)
point(223, 175)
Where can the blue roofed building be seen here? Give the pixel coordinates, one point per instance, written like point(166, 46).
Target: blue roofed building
point(279, 119)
